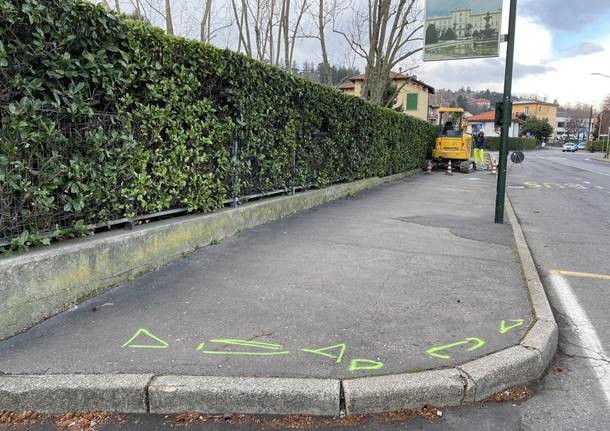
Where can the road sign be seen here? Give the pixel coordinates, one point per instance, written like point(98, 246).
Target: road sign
point(517, 157)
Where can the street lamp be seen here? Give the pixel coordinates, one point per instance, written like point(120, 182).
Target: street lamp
point(600, 74)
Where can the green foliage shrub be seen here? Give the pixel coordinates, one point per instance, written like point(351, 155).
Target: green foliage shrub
point(598, 146)
point(493, 143)
point(104, 118)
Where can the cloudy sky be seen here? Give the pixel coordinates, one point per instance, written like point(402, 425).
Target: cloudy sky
point(559, 44)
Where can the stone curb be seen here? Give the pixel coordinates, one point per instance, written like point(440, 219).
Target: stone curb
point(60, 393)
point(604, 160)
point(501, 370)
point(463, 384)
point(403, 391)
point(69, 272)
point(245, 395)
point(543, 334)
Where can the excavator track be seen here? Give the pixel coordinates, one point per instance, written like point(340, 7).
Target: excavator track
point(466, 167)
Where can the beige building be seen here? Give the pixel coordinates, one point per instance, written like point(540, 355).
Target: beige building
point(413, 96)
point(534, 108)
point(465, 23)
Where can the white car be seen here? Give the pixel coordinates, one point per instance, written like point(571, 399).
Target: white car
point(569, 146)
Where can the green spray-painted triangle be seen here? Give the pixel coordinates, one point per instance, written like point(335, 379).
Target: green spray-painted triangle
point(504, 328)
point(364, 364)
point(159, 343)
point(339, 350)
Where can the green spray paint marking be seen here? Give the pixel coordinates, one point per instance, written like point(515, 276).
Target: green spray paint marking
point(364, 364)
point(162, 344)
point(243, 343)
point(504, 328)
point(322, 351)
point(247, 343)
point(477, 344)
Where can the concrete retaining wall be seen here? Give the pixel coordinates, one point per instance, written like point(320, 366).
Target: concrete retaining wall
point(43, 282)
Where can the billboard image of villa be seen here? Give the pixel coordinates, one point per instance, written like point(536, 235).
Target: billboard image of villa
point(458, 29)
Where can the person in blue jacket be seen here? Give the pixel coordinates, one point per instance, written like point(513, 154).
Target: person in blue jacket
point(479, 152)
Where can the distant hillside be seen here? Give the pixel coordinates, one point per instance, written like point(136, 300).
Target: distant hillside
point(465, 97)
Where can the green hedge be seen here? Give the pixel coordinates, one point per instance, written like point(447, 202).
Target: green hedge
point(104, 117)
point(493, 143)
point(599, 145)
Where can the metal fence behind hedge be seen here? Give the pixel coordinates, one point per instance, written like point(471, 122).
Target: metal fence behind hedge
point(18, 215)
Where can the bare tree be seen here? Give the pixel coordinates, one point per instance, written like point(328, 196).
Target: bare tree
point(292, 30)
point(606, 102)
point(255, 22)
point(206, 22)
point(575, 125)
point(138, 9)
point(268, 29)
point(384, 36)
point(165, 15)
point(324, 13)
point(169, 24)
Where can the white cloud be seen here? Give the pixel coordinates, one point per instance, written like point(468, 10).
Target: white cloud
point(533, 43)
point(571, 79)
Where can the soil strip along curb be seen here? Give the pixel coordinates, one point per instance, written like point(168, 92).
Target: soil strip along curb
point(467, 383)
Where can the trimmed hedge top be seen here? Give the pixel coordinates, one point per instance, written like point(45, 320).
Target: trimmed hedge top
point(105, 117)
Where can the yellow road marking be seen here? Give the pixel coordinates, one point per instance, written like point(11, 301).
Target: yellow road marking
point(581, 274)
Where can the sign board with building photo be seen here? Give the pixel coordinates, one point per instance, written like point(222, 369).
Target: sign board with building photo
point(458, 29)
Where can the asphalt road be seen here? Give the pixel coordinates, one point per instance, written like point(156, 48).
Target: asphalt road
point(563, 203)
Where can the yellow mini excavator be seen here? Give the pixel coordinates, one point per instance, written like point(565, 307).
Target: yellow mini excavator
point(452, 142)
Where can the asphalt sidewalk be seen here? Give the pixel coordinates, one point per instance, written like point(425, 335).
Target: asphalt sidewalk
point(409, 276)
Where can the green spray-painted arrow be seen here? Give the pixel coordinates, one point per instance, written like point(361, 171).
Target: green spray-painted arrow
point(243, 343)
point(504, 328)
point(432, 351)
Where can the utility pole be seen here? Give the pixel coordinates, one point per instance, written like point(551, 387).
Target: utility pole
point(607, 142)
point(590, 123)
point(507, 113)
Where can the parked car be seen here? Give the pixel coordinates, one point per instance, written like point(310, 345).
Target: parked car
point(569, 146)
point(581, 146)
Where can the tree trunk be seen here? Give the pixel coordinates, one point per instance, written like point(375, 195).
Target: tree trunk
point(117, 5)
point(206, 22)
point(327, 78)
point(138, 11)
point(169, 25)
point(295, 31)
point(286, 26)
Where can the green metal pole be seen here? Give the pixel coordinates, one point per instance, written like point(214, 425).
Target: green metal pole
point(507, 113)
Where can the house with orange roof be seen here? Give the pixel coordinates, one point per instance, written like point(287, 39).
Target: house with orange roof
point(485, 122)
point(413, 95)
